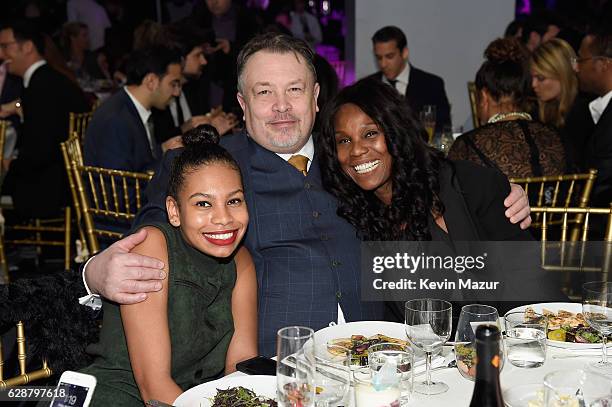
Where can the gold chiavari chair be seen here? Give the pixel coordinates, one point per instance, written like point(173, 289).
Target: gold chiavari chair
point(45, 232)
point(39, 232)
point(71, 151)
point(577, 255)
point(561, 191)
point(109, 199)
point(78, 124)
point(472, 93)
point(24, 377)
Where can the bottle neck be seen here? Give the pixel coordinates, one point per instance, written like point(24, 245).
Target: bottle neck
point(487, 391)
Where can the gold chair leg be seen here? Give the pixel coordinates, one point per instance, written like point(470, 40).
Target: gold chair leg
point(67, 238)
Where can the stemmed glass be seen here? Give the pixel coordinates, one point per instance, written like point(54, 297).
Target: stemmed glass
point(597, 311)
point(577, 388)
point(428, 119)
point(428, 327)
point(333, 374)
point(465, 349)
point(295, 368)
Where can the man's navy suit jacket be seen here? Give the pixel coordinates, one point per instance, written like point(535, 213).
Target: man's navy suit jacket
point(116, 137)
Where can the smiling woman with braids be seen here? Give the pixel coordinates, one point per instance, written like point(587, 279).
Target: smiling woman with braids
point(391, 186)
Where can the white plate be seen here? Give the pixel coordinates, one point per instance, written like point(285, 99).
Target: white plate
point(200, 396)
point(556, 307)
point(519, 396)
point(367, 329)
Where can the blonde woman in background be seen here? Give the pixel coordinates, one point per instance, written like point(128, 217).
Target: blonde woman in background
point(554, 81)
point(560, 103)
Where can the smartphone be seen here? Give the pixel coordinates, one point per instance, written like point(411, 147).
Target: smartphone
point(259, 365)
point(74, 390)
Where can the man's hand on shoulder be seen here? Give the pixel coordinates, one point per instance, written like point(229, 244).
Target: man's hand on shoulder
point(124, 277)
point(518, 206)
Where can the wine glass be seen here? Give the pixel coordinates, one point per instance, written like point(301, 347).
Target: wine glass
point(597, 311)
point(465, 347)
point(333, 374)
point(428, 326)
point(576, 388)
point(428, 119)
point(295, 368)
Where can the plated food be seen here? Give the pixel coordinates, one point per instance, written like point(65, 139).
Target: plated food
point(566, 326)
point(241, 396)
point(203, 395)
point(359, 344)
point(555, 308)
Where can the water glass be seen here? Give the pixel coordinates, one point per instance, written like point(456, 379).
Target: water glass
point(444, 140)
point(526, 339)
point(368, 393)
point(401, 357)
point(597, 311)
point(295, 368)
point(465, 349)
point(428, 326)
point(428, 120)
point(333, 374)
point(576, 388)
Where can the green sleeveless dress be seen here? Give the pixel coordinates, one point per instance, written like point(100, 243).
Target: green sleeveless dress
point(199, 318)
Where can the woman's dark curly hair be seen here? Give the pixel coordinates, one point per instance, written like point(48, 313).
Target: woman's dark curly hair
point(414, 172)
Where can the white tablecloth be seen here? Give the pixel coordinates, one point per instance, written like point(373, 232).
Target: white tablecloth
point(460, 389)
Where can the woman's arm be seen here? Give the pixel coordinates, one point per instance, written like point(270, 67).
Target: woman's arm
point(244, 311)
point(147, 333)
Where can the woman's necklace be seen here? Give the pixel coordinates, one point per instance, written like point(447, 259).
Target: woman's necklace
point(503, 116)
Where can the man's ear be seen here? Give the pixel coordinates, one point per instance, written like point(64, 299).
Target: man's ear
point(151, 81)
point(27, 47)
point(173, 211)
point(241, 102)
point(405, 54)
point(317, 89)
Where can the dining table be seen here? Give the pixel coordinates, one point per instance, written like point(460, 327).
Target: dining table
point(460, 388)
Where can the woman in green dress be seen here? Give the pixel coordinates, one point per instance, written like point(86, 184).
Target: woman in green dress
point(204, 319)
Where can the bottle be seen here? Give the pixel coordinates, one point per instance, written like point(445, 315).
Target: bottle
point(487, 392)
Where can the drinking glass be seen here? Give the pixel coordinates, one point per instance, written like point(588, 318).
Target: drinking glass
point(465, 346)
point(428, 120)
point(576, 388)
point(295, 368)
point(445, 140)
point(401, 358)
point(597, 311)
point(526, 339)
point(428, 326)
point(368, 393)
point(333, 374)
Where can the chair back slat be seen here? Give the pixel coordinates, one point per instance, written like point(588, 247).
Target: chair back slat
point(560, 191)
point(472, 93)
point(78, 124)
point(110, 200)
